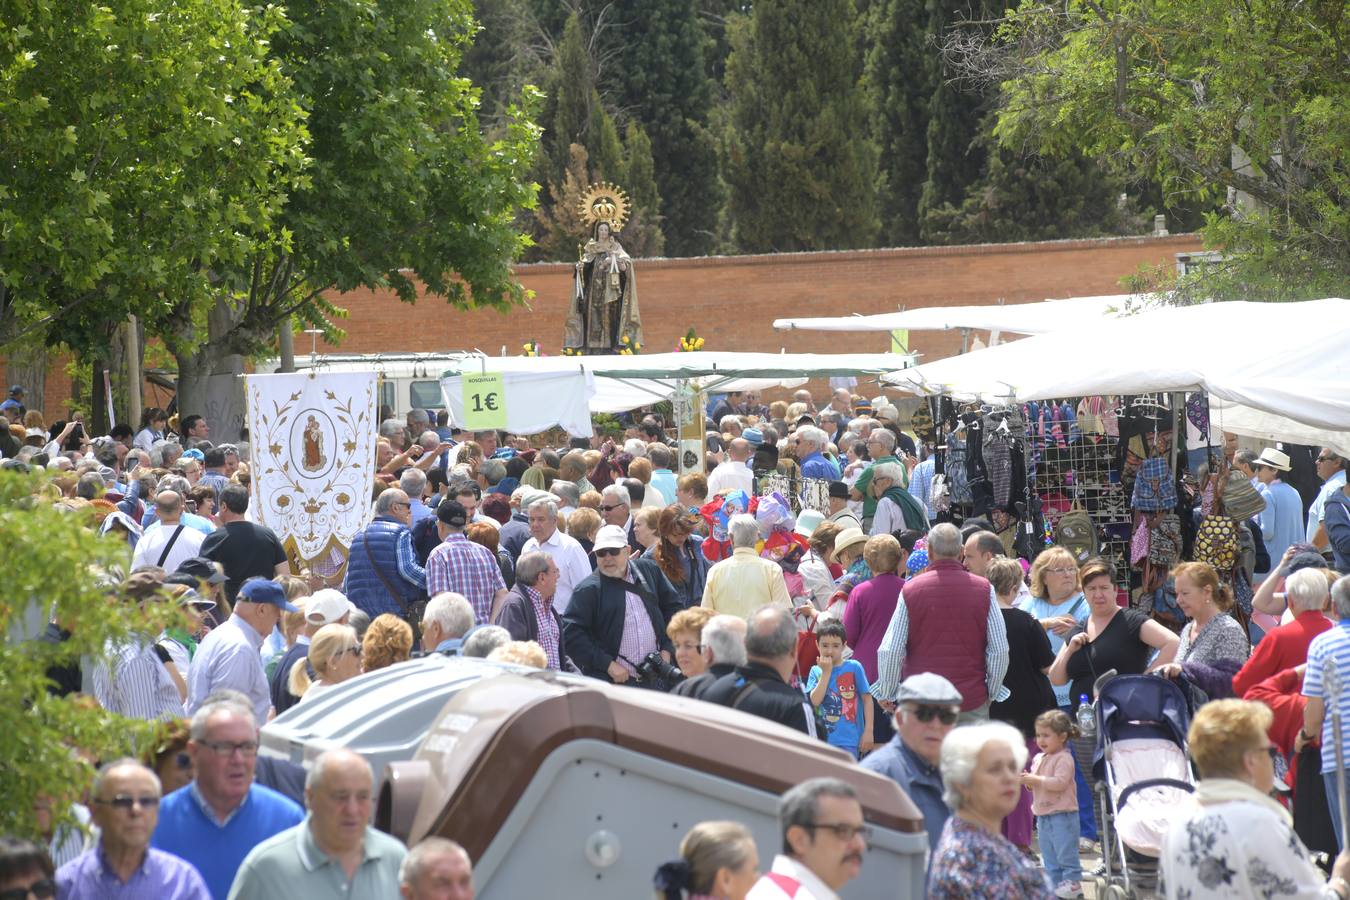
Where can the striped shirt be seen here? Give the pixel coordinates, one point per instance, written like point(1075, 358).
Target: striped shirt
point(1331, 648)
point(466, 568)
point(131, 680)
point(638, 637)
point(895, 646)
point(548, 626)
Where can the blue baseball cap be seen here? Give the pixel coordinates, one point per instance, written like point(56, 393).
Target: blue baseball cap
point(753, 435)
point(265, 590)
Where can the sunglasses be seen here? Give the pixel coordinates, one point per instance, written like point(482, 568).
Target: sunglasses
point(126, 801)
point(609, 551)
point(612, 508)
point(944, 714)
point(41, 889)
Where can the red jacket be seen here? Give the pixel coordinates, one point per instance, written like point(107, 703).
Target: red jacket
point(1282, 648)
point(1283, 693)
point(948, 611)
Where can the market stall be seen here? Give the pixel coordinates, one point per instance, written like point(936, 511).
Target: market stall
point(1077, 436)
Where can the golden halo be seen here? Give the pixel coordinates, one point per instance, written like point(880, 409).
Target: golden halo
point(604, 202)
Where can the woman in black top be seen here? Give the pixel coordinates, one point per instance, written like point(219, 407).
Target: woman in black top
point(1029, 655)
point(1115, 638)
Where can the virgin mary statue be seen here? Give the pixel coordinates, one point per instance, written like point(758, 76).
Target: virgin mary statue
point(603, 317)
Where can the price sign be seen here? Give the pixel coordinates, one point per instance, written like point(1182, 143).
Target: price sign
point(484, 402)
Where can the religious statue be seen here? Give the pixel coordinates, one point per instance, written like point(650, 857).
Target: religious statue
point(603, 317)
point(313, 459)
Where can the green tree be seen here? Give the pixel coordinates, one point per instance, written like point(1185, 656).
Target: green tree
point(146, 150)
point(54, 559)
point(955, 157)
point(899, 89)
point(645, 233)
point(1201, 97)
point(1026, 197)
point(801, 167)
point(509, 51)
point(404, 186)
point(660, 79)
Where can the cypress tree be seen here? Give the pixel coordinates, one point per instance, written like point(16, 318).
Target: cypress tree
point(661, 80)
point(900, 88)
point(800, 162)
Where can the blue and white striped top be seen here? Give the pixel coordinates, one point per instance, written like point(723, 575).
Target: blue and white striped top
point(1331, 648)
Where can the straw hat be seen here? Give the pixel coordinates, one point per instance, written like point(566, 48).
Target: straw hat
point(847, 538)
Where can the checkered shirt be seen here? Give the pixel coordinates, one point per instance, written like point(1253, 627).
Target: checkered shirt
point(466, 568)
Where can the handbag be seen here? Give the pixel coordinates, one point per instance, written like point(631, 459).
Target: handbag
point(1240, 500)
point(1164, 539)
point(1075, 533)
point(1217, 543)
point(1155, 490)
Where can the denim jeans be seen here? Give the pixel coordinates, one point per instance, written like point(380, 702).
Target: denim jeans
point(1058, 835)
point(1329, 779)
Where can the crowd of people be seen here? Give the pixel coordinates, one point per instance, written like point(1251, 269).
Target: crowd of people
point(918, 647)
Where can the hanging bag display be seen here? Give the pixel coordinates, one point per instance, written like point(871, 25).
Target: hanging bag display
point(1217, 542)
point(1155, 490)
point(1240, 500)
point(1076, 533)
point(1164, 539)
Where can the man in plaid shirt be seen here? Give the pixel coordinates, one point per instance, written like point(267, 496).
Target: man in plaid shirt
point(461, 566)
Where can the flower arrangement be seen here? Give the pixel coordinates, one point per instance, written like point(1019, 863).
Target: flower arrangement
point(571, 351)
point(628, 346)
point(690, 342)
point(531, 348)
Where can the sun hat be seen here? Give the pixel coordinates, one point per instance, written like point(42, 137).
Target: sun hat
point(610, 537)
point(1275, 459)
point(807, 521)
point(847, 538)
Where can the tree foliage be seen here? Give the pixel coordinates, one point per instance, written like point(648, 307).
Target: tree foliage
point(660, 80)
point(899, 89)
point(800, 164)
point(1200, 96)
point(54, 557)
point(146, 147)
point(404, 185)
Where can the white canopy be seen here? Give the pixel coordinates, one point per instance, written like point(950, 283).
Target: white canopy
point(624, 382)
point(1016, 318)
point(1284, 360)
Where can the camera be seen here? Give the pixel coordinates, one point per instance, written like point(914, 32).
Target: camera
point(654, 672)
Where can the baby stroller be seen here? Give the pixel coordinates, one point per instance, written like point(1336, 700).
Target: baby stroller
point(1143, 777)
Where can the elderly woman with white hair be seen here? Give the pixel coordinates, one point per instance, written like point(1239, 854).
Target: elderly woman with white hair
point(981, 776)
point(897, 509)
point(1287, 646)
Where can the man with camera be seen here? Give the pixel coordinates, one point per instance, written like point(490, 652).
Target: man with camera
point(615, 624)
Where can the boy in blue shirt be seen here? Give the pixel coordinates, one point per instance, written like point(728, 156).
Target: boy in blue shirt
point(835, 684)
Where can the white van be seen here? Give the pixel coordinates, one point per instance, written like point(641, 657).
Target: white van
point(409, 380)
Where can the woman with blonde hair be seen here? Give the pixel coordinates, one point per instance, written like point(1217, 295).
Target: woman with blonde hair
point(1236, 841)
point(1058, 604)
point(520, 653)
point(686, 634)
point(717, 859)
point(388, 640)
point(646, 525)
point(334, 655)
point(583, 525)
point(1213, 644)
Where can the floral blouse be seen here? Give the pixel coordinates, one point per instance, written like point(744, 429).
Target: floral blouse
point(1222, 638)
point(1237, 849)
point(972, 864)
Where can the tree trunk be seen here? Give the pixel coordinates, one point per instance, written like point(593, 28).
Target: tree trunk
point(27, 366)
point(135, 382)
point(210, 382)
point(286, 345)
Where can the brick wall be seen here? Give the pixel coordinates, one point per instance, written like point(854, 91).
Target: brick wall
point(733, 300)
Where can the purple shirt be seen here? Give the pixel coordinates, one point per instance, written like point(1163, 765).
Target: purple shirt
point(161, 875)
point(871, 605)
point(638, 638)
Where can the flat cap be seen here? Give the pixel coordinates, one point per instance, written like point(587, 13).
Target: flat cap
point(927, 687)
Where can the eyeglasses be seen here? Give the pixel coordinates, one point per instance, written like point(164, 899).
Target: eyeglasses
point(230, 748)
point(397, 505)
point(609, 551)
point(355, 650)
point(612, 508)
point(125, 802)
point(1064, 570)
point(944, 714)
point(1326, 459)
point(843, 830)
point(41, 889)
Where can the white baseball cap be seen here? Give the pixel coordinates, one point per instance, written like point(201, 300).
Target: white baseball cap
point(327, 606)
point(609, 537)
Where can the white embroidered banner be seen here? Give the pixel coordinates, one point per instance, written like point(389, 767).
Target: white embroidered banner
point(313, 440)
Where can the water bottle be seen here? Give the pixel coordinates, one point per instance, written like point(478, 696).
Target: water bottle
point(1087, 720)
